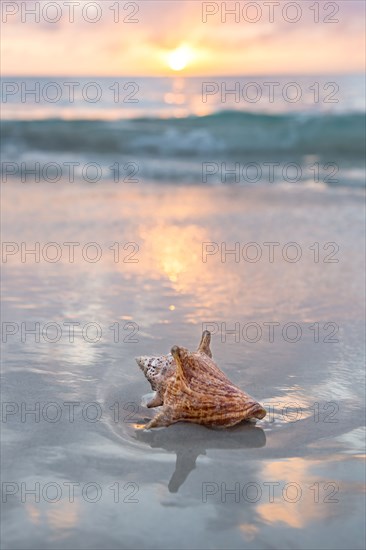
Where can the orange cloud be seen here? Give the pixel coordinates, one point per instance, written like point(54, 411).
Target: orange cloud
point(138, 43)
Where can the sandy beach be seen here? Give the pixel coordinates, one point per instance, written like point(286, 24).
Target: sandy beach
point(288, 332)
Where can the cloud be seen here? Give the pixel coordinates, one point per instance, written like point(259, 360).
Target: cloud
point(106, 47)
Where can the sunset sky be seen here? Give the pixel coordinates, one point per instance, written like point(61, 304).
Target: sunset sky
point(170, 36)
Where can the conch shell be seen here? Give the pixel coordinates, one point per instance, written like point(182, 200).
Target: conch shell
point(191, 388)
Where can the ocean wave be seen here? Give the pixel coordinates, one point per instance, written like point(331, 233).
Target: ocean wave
point(229, 133)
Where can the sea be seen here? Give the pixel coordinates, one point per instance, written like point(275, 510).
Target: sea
point(213, 130)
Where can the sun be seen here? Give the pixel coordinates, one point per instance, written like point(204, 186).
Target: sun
point(179, 58)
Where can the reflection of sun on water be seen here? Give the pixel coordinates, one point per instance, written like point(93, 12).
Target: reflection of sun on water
point(176, 253)
point(173, 253)
point(300, 507)
point(61, 516)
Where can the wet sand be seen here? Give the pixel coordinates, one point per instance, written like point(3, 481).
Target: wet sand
point(293, 480)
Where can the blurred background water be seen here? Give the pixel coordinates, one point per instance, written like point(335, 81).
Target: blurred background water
point(171, 127)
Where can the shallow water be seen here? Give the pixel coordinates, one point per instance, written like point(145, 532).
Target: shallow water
point(293, 480)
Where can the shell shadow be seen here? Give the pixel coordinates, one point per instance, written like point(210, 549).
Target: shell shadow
point(189, 441)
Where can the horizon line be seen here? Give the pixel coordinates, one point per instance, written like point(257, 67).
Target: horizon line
point(180, 75)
